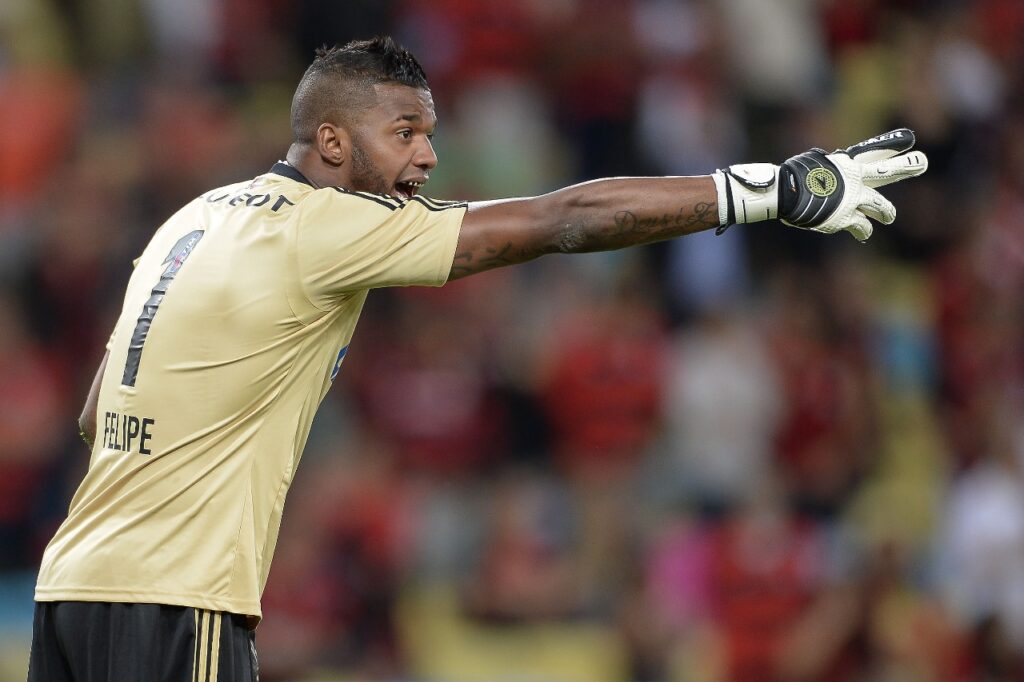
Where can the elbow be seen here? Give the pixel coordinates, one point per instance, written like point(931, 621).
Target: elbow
point(572, 237)
point(87, 429)
point(574, 231)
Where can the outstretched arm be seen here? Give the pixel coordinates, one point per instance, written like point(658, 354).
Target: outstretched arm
point(816, 191)
point(599, 215)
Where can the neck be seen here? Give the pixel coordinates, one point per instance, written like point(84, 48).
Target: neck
point(308, 162)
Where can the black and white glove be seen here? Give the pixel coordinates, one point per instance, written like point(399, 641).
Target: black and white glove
point(822, 192)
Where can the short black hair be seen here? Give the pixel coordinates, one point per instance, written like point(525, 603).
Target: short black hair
point(339, 83)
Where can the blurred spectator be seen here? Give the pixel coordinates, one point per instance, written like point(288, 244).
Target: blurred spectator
point(826, 415)
point(603, 383)
point(525, 571)
point(664, 617)
point(39, 106)
point(899, 631)
point(762, 594)
point(775, 79)
point(593, 70)
point(982, 542)
point(429, 390)
point(334, 598)
point(767, 568)
point(184, 35)
point(322, 22)
point(722, 409)
point(80, 256)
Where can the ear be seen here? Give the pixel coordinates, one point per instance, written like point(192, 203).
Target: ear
point(333, 143)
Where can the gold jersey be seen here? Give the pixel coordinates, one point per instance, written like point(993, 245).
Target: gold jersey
point(235, 323)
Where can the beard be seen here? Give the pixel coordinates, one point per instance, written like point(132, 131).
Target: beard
point(365, 177)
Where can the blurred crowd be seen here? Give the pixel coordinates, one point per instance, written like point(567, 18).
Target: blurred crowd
point(765, 455)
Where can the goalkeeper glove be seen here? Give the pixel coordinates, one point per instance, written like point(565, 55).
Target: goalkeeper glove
point(822, 192)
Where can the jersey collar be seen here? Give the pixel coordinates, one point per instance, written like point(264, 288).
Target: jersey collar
point(290, 172)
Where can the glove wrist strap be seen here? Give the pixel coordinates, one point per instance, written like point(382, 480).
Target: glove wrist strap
point(747, 193)
point(724, 199)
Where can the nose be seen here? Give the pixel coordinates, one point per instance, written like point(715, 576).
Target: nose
point(425, 158)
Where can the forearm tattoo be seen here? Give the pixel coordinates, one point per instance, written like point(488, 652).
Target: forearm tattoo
point(626, 228)
point(668, 224)
point(468, 262)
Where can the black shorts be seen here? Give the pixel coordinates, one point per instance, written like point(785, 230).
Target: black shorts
point(113, 642)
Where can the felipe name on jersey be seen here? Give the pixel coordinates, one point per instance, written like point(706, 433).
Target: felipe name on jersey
point(124, 433)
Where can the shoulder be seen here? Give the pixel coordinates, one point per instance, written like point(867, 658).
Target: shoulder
point(331, 204)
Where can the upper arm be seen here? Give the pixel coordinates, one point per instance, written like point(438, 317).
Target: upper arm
point(504, 232)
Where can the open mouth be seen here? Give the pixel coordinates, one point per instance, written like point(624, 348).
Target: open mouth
point(408, 188)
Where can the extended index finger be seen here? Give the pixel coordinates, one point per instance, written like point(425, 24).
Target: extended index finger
point(887, 171)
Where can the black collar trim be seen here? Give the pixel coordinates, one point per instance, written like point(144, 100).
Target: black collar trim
point(290, 172)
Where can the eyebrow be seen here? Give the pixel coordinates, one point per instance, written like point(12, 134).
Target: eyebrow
point(414, 118)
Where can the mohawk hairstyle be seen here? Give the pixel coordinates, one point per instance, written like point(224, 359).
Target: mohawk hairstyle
point(338, 85)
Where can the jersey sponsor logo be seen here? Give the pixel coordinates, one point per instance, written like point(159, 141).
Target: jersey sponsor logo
point(822, 182)
point(127, 433)
point(338, 361)
point(180, 251)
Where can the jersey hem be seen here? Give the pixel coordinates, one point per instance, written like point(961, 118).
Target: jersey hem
point(97, 594)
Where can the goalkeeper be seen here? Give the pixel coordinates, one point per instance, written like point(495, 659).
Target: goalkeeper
point(238, 317)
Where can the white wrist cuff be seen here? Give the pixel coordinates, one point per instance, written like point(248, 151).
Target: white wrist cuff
point(722, 187)
point(753, 191)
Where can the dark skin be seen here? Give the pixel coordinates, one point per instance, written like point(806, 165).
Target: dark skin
point(388, 145)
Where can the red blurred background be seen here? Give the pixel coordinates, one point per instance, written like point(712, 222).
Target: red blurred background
point(768, 455)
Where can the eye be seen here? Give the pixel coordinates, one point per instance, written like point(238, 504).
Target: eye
point(405, 134)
